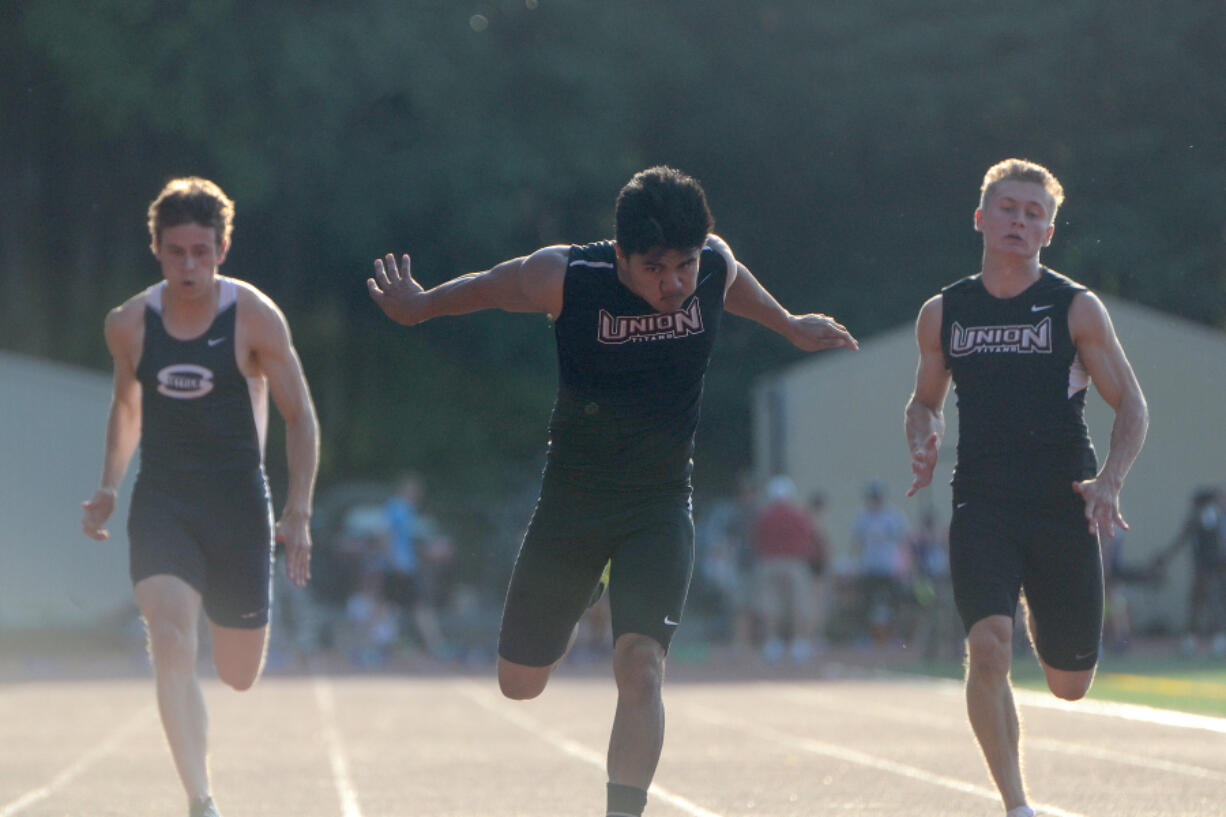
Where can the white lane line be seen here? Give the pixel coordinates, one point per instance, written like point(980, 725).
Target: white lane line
point(1093, 706)
point(1149, 764)
point(570, 747)
point(1087, 706)
point(898, 714)
point(341, 778)
point(1105, 709)
point(1128, 712)
point(846, 754)
point(106, 747)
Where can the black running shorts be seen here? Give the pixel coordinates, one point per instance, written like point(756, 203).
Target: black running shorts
point(213, 531)
point(1000, 546)
point(573, 532)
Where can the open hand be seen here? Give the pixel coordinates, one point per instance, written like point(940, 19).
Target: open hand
point(1102, 507)
point(294, 532)
point(816, 332)
point(394, 290)
point(98, 509)
point(923, 463)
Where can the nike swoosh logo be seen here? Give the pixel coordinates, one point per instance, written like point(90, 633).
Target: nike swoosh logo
point(215, 341)
point(670, 622)
point(1034, 308)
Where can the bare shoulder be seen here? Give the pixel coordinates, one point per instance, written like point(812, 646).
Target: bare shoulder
point(548, 261)
point(1088, 319)
point(254, 307)
point(542, 276)
point(932, 306)
point(719, 245)
point(128, 318)
point(124, 332)
point(929, 319)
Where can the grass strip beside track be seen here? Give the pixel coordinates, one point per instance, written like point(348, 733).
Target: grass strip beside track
point(1186, 685)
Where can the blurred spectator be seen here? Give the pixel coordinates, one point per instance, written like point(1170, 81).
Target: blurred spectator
point(819, 566)
point(934, 630)
point(785, 548)
point(360, 547)
point(726, 561)
point(1207, 600)
point(878, 535)
point(407, 579)
point(372, 626)
point(417, 557)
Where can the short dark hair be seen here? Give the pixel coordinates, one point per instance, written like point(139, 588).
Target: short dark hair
point(191, 200)
point(662, 207)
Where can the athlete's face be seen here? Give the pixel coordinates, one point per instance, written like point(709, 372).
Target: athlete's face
point(1016, 219)
point(662, 277)
point(190, 255)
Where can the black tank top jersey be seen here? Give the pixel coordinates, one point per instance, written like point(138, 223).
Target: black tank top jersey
point(196, 409)
point(1020, 387)
point(630, 379)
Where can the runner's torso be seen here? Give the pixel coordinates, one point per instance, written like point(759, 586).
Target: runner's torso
point(197, 413)
point(1020, 387)
point(630, 379)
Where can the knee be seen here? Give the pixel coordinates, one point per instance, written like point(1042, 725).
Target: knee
point(238, 656)
point(172, 646)
point(638, 667)
point(1069, 686)
point(239, 679)
point(520, 683)
point(989, 652)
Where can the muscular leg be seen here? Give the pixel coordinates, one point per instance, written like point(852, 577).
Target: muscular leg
point(638, 725)
point(238, 654)
point(520, 682)
point(1071, 685)
point(989, 703)
point(171, 609)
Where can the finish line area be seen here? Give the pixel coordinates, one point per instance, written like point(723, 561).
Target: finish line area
point(383, 745)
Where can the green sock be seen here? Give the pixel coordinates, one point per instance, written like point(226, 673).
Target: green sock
point(625, 801)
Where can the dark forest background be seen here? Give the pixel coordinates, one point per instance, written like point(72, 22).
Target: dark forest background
point(841, 145)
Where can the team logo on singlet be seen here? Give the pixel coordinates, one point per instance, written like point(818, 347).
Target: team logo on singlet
point(1020, 339)
point(616, 329)
point(185, 381)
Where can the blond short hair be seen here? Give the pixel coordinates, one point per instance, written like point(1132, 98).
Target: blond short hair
point(1022, 170)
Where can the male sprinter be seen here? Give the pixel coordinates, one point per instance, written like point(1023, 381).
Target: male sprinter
point(1021, 344)
point(635, 320)
point(196, 356)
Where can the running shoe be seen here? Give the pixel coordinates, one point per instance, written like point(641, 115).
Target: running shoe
point(204, 807)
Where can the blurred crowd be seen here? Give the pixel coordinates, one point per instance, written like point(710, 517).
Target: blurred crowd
point(771, 582)
point(768, 574)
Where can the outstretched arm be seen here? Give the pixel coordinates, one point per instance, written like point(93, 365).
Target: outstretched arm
point(1104, 359)
point(925, 415)
point(747, 298)
point(531, 283)
point(124, 332)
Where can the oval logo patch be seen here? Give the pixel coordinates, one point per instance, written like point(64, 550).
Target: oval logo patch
point(185, 381)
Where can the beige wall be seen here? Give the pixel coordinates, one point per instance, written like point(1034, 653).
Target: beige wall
point(52, 424)
point(843, 426)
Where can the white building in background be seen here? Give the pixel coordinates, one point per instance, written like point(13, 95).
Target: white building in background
point(835, 421)
point(52, 429)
